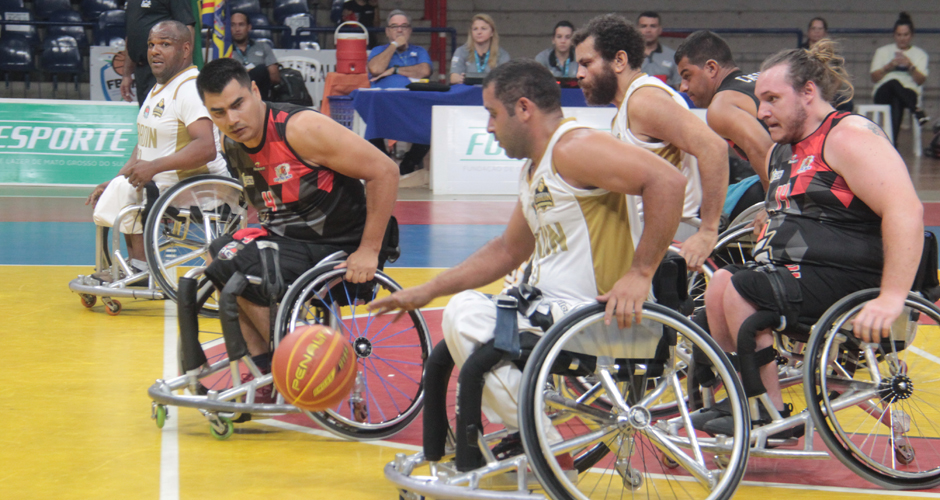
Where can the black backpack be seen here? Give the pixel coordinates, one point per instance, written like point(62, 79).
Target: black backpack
point(292, 88)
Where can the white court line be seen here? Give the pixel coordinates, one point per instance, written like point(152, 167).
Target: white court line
point(924, 354)
point(169, 443)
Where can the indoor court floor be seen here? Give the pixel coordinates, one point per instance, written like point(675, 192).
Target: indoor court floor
point(75, 418)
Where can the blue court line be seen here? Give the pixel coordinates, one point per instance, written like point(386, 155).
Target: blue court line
point(73, 243)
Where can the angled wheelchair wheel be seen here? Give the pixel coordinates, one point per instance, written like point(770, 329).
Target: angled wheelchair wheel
point(625, 451)
point(389, 390)
point(877, 405)
point(734, 246)
point(182, 224)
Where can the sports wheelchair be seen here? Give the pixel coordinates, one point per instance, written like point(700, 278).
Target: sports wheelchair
point(604, 411)
point(179, 226)
point(388, 393)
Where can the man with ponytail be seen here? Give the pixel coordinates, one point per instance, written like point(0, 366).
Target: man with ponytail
point(843, 216)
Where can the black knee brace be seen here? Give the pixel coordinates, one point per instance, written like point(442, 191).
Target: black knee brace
point(750, 360)
point(436, 377)
point(469, 405)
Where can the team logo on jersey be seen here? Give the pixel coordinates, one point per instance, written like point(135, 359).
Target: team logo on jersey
point(146, 111)
point(158, 111)
point(542, 200)
point(264, 216)
point(282, 173)
point(229, 251)
point(258, 167)
point(776, 175)
point(794, 159)
point(806, 165)
point(247, 180)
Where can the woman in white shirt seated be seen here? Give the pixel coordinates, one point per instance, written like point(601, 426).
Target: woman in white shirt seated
point(899, 71)
point(481, 53)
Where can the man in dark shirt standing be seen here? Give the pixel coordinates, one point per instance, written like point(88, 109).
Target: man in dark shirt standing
point(365, 12)
point(141, 16)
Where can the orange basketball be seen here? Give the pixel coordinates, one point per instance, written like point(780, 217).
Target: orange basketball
point(314, 368)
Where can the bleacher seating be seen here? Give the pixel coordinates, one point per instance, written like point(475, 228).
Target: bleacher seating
point(76, 32)
point(258, 22)
point(25, 32)
point(91, 9)
point(286, 8)
point(295, 22)
point(110, 27)
point(7, 5)
point(16, 56)
point(43, 9)
point(245, 5)
point(61, 55)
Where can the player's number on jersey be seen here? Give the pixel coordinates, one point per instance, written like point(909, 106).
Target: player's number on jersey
point(269, 201)
point(782, 196)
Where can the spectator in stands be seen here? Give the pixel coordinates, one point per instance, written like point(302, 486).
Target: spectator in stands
point(659, 58)
point(560, 58)
point(395, 65)
point(364, 12)
point(483, 41)
point(817, 30)
point(899, 70)
point(141, 16)
point(258, 58)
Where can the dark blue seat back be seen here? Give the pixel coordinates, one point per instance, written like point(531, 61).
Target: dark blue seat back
point(43, 9)
point(285, 8)
point(91, 9)
point(76, 32)
point(15, 55)
point(61, 55)
point(245, 5)
point(26, 32)
point(110, 26)
point(258, 22)
point(6, 5)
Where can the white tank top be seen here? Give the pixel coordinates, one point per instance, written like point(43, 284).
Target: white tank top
point(583, 243)
point(162, 122)
point(686, 163)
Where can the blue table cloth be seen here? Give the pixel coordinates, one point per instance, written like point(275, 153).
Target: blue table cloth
point(405, 115)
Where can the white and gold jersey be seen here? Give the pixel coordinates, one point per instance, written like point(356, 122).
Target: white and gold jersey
point(162, 122)
point(686, 163)
point(583, 243)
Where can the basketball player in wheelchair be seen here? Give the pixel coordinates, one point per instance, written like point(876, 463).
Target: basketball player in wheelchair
point(176, 140)
point(843, 217)
point(575, 223)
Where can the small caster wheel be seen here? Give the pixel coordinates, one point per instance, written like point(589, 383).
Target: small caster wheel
point(113, 307)
point(222, 428)
point(904, 453)
point(160, 415)
point(668, 462)
point(88, 301)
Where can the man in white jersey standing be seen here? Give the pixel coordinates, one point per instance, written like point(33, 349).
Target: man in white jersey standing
point(572, 219)
point(653, 116)
point(175, 138)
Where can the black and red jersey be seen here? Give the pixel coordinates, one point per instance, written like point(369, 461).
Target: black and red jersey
point(738, 81)
point(294, 198)
point(814, 217)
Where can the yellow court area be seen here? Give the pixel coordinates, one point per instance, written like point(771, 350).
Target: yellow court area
point(75, 415)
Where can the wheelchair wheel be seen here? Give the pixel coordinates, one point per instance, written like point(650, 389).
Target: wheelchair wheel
point(634, 453)
point(182, 223)
point(734, 247)
point(389, 390)
point(877, 405)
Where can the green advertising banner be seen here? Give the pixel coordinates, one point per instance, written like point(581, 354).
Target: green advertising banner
point(64, 142)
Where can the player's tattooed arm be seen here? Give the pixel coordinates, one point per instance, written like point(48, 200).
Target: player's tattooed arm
point(875, 129)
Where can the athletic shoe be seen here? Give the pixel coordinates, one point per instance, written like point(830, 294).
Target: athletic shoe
point(263, 395)
point(922, 118)
point(725, 425)
point(508, 447)
point(717, 410)
point(104, 276)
